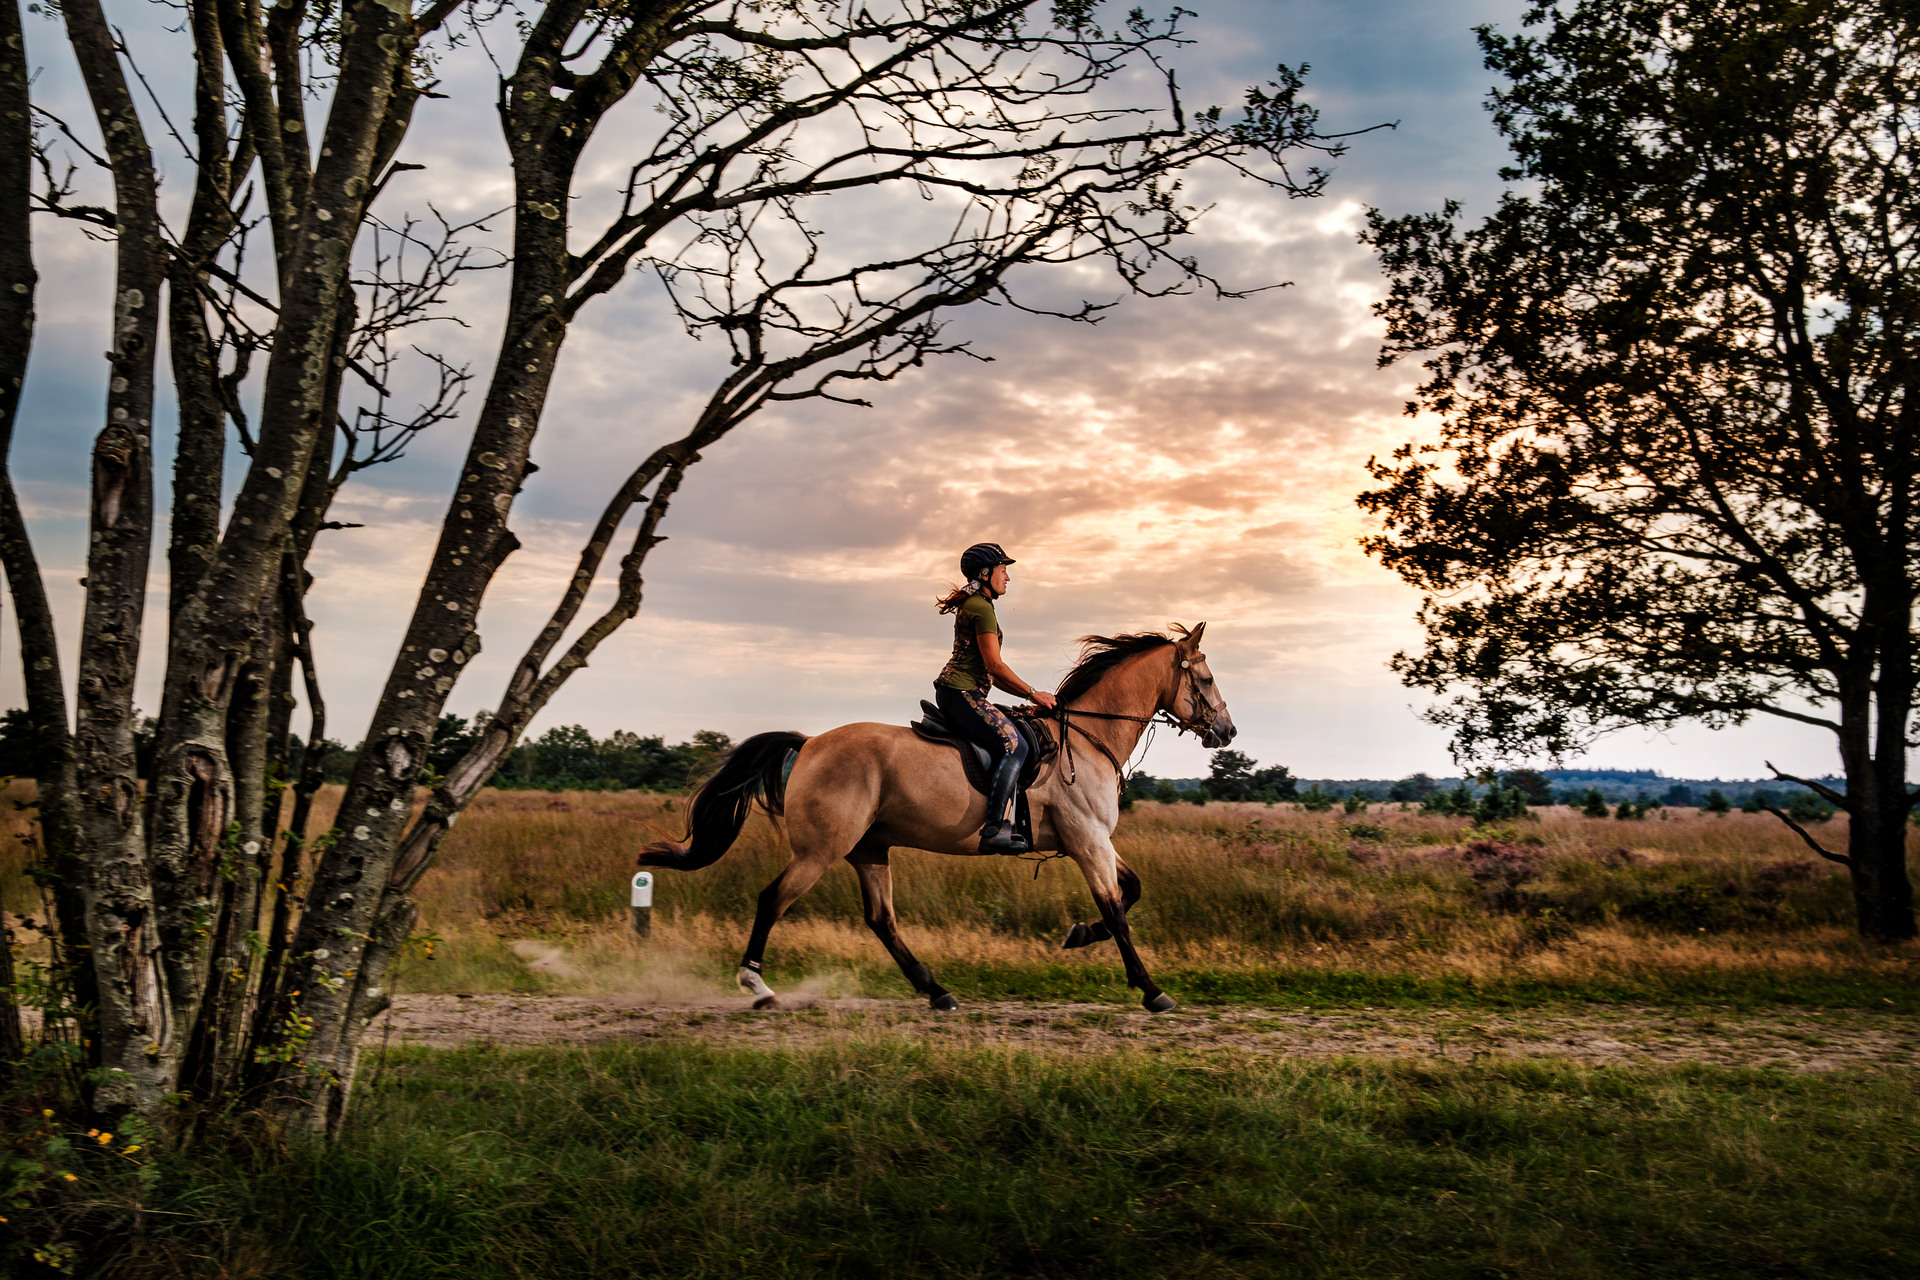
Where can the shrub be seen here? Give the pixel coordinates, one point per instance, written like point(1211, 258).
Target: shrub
point(1314, 800)
point(1807, 807)
point(1501, 804)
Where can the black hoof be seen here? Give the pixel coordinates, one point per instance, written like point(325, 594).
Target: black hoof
point(944, 1002)
point(1078, 936)
point(1159, 1003)
point(767, 1002)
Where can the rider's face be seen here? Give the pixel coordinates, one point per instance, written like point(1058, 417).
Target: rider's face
point(998, 579)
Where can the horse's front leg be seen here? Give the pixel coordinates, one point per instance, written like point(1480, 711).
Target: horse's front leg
point(876, 889)
point(1085, 933)
point(1101, 866)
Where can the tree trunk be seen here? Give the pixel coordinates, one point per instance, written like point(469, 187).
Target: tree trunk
point(1877, 847)
point(137, 1039)
point(33, 618)
point(352, 923)
point(193, 799)
point(200, 452)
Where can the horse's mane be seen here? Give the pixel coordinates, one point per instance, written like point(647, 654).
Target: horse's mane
point(1101, 654)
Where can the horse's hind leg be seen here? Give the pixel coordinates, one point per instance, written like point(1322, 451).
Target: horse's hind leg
point(786, 889)
point(1084, 934)
point(876, 887)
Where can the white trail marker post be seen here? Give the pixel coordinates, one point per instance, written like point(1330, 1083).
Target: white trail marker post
point(642, 904)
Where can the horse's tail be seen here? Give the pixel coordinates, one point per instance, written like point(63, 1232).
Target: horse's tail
point(753, 771)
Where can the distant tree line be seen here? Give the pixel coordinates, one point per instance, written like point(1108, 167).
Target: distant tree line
point(564, 758)
point(1490, 797)
point(569, 758)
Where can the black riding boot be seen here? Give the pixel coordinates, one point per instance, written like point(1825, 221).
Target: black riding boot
point(999, 836)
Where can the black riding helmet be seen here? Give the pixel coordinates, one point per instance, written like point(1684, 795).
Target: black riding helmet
point(978, 560)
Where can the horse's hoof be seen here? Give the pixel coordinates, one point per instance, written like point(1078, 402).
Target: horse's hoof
point(1078, 936)
point(773, 1002)
point(1158, 1003)
point(945, 1003)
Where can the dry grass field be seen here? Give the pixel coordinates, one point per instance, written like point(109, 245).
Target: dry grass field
point(1569, 1048)
point(530, 895)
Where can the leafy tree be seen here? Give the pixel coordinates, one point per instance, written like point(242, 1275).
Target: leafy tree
point(1417, 786)
point(1536, 786)
point(19, 744)
point(1680, 795)
point(1628, 811)
point(452, 739)
point(1231, 776)
point(1275, 782)
point(1677, 371)
point(1717, 802)
point(1166, 792)
point(1595, 805)
point(1356, 801)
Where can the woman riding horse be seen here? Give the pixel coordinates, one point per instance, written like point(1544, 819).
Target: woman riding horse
point(855, 793)
point(976, 668)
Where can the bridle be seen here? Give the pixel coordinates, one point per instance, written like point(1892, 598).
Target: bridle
point(1190, 723)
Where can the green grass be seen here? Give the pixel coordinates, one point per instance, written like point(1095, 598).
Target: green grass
point(1280, 986)
point(891, 1158)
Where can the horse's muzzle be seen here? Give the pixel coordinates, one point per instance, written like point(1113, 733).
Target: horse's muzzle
point(1218, 736)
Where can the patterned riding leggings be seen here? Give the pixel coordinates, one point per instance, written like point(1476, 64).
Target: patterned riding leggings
point(969, 711)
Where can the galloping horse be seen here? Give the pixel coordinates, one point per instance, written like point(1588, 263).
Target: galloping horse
point(856, 791)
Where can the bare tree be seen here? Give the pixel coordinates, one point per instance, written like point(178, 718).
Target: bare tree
point(222, 961)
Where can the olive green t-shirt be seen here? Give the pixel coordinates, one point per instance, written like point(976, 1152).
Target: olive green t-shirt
point(966, 669)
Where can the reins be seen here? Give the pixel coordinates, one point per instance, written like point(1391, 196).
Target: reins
point(1063, 713)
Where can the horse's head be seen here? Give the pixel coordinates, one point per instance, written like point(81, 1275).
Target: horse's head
point(1195, 699)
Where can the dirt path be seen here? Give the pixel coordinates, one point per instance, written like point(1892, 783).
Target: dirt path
point(1795, 1040)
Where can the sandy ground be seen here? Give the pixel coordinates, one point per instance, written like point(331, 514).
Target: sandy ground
point(1796, 1040)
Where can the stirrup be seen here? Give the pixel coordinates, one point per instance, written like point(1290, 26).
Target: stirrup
point(1004, 839)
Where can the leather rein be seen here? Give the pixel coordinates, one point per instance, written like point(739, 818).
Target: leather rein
point(1063, 714)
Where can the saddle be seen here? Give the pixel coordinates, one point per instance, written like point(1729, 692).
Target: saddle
point(976, 760)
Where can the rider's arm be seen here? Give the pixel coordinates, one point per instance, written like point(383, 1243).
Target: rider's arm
point(1003, 676)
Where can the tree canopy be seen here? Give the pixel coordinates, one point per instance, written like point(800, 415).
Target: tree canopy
point(1676, 375)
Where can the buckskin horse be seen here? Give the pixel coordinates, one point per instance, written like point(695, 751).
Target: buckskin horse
point(857, 791)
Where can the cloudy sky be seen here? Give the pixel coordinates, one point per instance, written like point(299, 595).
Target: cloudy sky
point(1185, 459)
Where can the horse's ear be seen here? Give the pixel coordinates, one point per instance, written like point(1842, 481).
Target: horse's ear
point(1192, 643)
